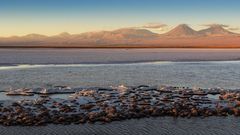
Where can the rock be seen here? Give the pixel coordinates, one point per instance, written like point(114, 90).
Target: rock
point(194, 112)
point(118, 103)
point(87, 106)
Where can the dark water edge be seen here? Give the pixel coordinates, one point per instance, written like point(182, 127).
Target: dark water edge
point(97, 56)
point(146, 126)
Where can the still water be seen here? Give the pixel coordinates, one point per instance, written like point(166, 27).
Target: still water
point(225, 74)
point(205, 74)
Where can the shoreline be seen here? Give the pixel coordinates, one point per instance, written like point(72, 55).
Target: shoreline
point(39, 65)
point(108, 47)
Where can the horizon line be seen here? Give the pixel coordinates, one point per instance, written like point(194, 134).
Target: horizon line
point(139, 28)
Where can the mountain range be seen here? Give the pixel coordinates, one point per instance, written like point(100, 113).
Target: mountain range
point(181, 36)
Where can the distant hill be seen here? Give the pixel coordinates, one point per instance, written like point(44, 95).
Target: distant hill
point(180, 36)
point(216, 30)
point(182, 30)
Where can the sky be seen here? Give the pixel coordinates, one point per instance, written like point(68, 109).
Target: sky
point(51, 17)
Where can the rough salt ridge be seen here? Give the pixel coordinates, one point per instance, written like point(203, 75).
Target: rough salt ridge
point(117, 103)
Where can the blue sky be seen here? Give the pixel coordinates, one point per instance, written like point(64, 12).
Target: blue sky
point(19, 17)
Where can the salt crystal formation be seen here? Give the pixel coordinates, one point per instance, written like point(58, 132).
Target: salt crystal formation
point(116, 103)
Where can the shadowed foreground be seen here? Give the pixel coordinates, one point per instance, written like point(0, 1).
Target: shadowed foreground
point(146, 126)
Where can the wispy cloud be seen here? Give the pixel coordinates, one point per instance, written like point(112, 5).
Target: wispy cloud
point(154, 25)
point(215, 24)
point(233, 29)
point(228, 27)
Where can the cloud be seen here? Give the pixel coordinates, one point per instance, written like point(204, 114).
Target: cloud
point(228, 27)
point(154, 26)
point(233, 29)
point(216, 25)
